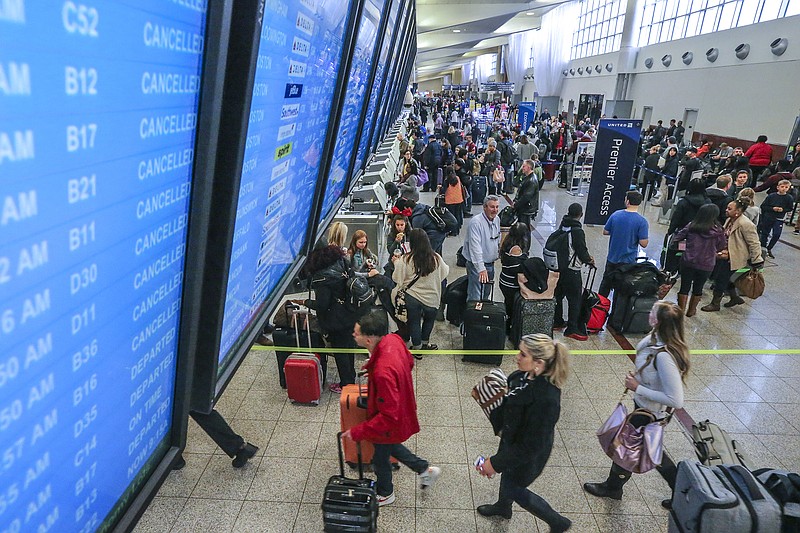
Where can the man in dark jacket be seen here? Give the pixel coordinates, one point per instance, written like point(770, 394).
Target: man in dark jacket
point(718, 194)
point(652, 176)
point(432, 159)
point(391, 405)
point(526, 204)
point(570, 284)
point(460, 168)
point(690, 164)
point(421, 218)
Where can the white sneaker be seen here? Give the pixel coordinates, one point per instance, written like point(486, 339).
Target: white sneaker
point(386, 500)
point(429, 477)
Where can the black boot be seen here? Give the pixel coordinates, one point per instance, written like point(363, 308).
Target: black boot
point(244, 454)
point(495, 509)
point(735, 299)
point(563, 525)
point(611, 487)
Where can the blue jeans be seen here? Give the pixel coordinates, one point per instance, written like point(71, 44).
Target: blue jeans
point(531, 502)
point(475, 290)
point(420, 320)
point(383, 467)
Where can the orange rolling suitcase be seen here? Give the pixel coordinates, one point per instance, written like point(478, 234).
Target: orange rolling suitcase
point(353, 411)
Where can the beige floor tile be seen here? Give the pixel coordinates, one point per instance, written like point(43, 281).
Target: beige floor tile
point(731, 388)
point(280, 480)
point(266, 517)
point(452, 490)
point(200, 515)
point(309, 518)
point(160, 515)
point(445, 520)
point(437, 383)
point(220, 480)
point(762, 419)
point(442, 445)
point(561, 488)
point(294, 439)
point(439, 411)
point(609, 523)
point(182, 482)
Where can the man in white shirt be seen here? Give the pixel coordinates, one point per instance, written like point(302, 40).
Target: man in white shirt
point(482, 249)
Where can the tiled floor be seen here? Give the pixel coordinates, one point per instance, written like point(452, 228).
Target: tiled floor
point(756, 397)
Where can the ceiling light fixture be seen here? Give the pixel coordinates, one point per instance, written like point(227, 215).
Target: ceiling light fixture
point(456, 31)
point(529, 13)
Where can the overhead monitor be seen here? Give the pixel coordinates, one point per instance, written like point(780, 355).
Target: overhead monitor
point(296, 60)
point(98, 117)
point(353, 108)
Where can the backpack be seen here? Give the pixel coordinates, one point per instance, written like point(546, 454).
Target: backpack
point(507, 153)
point(637, 279)
point(559, 243)
point(359, 296)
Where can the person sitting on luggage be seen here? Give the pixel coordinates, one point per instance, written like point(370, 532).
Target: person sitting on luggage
point(744, 250)
point(426, 270)
point(527, 419)
point(628, 230)
point(662, 364)
point(513, 252)
point(328, 268)
point(570, 286)
point(687, 207)
point(704, 238)
point(391, 405)
point(361, 258)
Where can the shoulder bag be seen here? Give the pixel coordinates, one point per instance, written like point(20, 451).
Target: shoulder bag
point(751, 284)
point(400, 308)
point(637, 449)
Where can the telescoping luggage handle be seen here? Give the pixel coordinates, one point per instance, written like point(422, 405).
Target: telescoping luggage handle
point(590, 276)
point(341, 456)
point(297, 311)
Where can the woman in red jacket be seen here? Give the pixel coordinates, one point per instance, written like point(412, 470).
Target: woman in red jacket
point(760, 155)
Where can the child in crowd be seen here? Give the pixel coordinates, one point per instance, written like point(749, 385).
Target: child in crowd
point(773, 211)
point(361, 258)
point(753, 212)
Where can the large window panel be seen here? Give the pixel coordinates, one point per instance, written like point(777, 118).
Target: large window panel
point(600, 22)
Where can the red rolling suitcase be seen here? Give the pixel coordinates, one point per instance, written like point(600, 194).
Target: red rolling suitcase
point(303, 373)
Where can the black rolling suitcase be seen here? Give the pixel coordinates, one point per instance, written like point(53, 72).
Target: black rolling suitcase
point(631, 314)
point(282, 336)
point(532, 316)
point(455, 298)
point(484, 328)
point(479, 188)
point(349, 504)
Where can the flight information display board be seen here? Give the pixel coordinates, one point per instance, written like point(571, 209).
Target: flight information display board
point(353, 105)
point(370, 121)
point(298, 61)
point(98, 110)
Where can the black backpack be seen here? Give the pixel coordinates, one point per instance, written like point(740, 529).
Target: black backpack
point(637, 279)
point(359, 296)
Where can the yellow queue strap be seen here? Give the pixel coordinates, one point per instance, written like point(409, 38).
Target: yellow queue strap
point(514, 352)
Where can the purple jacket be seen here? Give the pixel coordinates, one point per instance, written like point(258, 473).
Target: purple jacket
point(701, 248)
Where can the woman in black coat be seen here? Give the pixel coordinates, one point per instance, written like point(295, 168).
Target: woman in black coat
point(328, 268)
point(528, 419)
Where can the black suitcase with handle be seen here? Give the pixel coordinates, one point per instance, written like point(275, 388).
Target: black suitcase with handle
point(455, 298)
point(484, 328)
point(350, 504)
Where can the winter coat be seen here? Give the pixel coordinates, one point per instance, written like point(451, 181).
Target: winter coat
point(721, 199)
point(527, 201)
point(685, 211)
point(432, 157)
point(701, 248)
point(330, 293)
point(743, 242)
point(391, 405)
point(527, 419)
point(760, 155)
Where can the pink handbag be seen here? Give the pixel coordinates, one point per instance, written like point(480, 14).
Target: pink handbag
point(637, 449)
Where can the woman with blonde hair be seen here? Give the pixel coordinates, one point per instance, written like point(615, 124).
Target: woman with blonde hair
point(527, 419)
point(752, 211)
point(337, 234)
point(662, 364)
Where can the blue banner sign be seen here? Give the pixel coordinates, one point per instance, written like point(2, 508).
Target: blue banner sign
point(525, 114)
point(614, 160)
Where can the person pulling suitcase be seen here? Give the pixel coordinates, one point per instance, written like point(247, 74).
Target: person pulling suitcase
point(391, 405)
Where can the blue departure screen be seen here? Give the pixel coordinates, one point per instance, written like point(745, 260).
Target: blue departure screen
point(353, 104)
point(371, 119)
point(298, 60)
point(98, 109)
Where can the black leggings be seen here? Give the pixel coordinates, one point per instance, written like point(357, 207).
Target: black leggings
point(694, 279)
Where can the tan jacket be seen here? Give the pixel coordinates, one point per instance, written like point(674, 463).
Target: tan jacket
point(743, 242)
